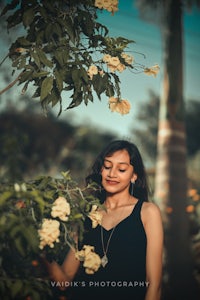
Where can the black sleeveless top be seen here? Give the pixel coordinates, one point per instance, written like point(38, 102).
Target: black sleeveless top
point(124, 276)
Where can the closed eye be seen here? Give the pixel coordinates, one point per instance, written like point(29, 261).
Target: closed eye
point(107, 168)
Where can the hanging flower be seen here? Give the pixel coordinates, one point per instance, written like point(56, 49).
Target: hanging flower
point(152, 71)
point(121, 106)
point(114, 63)
point(60, 209)
point(49, 233)
point(95, 216)
point(109, 5)
point(93, 70)
point(129, 59)
point(91, 260)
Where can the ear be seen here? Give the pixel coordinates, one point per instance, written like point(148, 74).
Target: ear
point(134, 177)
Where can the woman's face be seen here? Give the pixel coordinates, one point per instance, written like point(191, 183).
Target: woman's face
point(117, 172)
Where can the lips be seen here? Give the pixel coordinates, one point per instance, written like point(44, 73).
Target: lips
point(111, 182)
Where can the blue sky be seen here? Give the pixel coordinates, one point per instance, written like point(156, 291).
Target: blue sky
point(134, 87)
point(127, 23)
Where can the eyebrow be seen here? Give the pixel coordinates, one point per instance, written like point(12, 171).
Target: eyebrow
point(120, 163)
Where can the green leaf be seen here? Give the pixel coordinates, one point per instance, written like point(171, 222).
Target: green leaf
point(16, 61)
point(46, 87)
point(23, 41)
point(70, 30)
point(99, 84)
point(58, 54)
point(76, 78)
point(5, 196)
point(44, 59)
point(17, 286)
point(110, 90)
point(59, 80)
point(40, 74)
point(28, 17)
point(57, 29)
point(9, 6)
point(14, 19)
point(25, 76)
point(19, 246)
point(35, 58)
point(22, 62)
point(78, 216)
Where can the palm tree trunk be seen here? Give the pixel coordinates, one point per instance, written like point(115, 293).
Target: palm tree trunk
point(171, 171)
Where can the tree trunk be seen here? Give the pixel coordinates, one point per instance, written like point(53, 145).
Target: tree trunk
point(171, 171)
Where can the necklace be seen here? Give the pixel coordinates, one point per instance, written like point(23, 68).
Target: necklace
point(104, 259)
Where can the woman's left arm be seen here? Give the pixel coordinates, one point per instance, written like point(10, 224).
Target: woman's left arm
point(152, 222)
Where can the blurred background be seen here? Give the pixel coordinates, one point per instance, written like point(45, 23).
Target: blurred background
point(26, 147)
point(33, 144)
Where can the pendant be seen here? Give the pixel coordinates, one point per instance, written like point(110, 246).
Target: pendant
point(104, 261)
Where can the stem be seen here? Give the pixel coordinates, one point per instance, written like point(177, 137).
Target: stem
point(33, 214)
point(11, 84)
point(66, 240)
point(4, 59)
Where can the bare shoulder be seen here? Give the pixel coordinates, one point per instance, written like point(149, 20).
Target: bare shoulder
point(150, 211)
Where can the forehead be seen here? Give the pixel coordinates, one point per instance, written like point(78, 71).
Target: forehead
point(120, 156)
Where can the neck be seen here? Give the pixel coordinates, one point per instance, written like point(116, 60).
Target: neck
point(113, 201)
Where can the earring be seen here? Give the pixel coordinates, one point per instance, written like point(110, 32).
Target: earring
point(132, 187)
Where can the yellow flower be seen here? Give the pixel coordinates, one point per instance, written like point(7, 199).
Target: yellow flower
point(128, 58)
point(60, 209)
point(93, 70)
point(106, 58)
point(114, 61)
point(91, 260)
point(95, 216)
point(49, 233)
point(121, 67)
point(109, 5)
point(121, 106)
point(152, 71)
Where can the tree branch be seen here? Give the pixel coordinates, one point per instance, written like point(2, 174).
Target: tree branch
point(11, 84)
point(4, 59)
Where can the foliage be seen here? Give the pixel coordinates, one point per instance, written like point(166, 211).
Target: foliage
point(63, 41)
point(24, 207)
point(27, 149)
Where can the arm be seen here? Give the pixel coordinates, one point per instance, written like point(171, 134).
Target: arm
point(66, 272)
point(152, 222)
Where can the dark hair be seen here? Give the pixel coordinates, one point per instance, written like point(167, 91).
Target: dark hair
point(140, 190)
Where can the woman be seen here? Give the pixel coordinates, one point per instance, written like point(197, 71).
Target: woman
point(129, 239)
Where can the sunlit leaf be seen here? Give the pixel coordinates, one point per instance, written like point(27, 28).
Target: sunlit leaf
point(47, 85)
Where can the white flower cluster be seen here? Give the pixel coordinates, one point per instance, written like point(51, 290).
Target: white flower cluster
point(114, 63)
point(60, 209)
point(95, 216)
point(109, 5)
point(91, 260)
point(120, 106)
point(49, 233)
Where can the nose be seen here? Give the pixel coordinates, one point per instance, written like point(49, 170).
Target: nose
point(112, 172)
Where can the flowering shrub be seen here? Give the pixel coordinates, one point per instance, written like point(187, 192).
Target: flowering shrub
point(65, 49)
point(42, 217)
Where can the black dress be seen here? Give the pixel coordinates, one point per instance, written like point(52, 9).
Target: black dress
point(124, 276)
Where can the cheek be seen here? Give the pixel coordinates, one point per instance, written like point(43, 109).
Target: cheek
point(103, 172)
